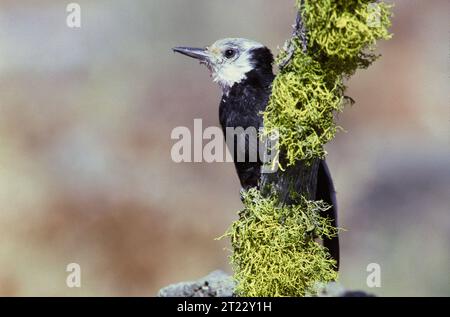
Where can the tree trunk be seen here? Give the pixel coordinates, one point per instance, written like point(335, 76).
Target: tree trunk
point(300, 178)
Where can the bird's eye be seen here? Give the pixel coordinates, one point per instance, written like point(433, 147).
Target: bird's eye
point(230, 53)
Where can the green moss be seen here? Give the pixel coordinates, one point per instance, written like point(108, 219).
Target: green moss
point(302, 106)
point(274, 252)
point(344, 29)
point(309, 90)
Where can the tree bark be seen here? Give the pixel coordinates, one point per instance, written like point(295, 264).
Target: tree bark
point(300, 178)
point(299, 32)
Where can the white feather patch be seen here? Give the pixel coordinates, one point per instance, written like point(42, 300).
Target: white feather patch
point(229, 72)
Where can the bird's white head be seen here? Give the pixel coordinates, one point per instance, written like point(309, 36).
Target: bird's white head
point(229, 60)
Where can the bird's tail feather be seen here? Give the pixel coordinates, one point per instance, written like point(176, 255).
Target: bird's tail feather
point(326, 192)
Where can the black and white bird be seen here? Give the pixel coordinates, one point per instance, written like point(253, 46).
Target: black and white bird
point(244, 71)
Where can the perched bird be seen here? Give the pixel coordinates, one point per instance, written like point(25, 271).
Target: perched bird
point(243, 69)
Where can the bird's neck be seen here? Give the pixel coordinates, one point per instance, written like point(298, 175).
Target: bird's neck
point(257, 80)
point(246, 100)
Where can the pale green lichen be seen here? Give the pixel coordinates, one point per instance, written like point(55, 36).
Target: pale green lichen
point(274, 251)
point(302, 106)
point(309, 90)
point(344, 29)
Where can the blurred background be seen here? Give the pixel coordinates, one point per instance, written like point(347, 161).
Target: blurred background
point(85, 169)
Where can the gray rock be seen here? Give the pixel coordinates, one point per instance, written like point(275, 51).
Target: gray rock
point(215, 284)
point(220, 284)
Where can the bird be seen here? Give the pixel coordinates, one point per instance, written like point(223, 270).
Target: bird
point(243, 69)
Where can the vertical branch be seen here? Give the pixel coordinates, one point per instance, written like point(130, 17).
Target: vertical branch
point(274, 248)
point(299, 32)
point(300, 178)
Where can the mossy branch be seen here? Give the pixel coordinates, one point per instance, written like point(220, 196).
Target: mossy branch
point(275, 253)
point(274, 248)
point(309, 90)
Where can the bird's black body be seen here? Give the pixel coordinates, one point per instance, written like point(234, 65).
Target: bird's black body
point(242, 107)
point(243, 69)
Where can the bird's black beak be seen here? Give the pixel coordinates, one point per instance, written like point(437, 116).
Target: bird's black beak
point(198, 53)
